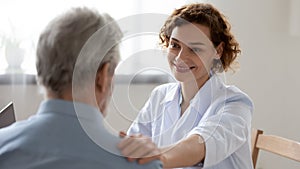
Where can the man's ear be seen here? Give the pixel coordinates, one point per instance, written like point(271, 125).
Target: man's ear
point(102, 77)
point(219, 50)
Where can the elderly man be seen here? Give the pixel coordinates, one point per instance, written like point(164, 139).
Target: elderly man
point(76, 57)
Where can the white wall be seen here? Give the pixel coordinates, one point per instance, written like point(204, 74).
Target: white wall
point(268, 73)
point(269, 68)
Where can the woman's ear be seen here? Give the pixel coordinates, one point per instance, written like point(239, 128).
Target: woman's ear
point(219, 50)
point(102, 79)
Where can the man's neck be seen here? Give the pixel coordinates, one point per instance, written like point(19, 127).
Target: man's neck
point(68, 96)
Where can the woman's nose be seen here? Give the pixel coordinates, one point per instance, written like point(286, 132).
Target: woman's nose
point(181, 55)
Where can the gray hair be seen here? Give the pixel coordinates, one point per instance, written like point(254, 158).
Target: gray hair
point(60, 45)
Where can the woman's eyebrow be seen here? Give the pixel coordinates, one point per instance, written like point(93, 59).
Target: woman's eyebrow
point(190, 43)
point(196, 43)
point(174, 39)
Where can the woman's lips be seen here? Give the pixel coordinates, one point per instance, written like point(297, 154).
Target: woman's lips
point(183, 68)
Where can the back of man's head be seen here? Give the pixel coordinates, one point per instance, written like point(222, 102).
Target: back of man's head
point(60, 45)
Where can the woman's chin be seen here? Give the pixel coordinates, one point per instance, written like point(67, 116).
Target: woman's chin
point(184, 77)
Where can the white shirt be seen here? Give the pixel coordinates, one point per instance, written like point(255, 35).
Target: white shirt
point(221, 114)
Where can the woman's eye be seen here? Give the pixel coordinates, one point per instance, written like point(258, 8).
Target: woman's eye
point(196, 50)
point(174, 45)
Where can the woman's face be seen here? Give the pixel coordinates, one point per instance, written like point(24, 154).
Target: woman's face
point(191, 53)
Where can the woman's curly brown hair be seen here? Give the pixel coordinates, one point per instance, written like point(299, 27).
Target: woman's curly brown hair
point(207, 15)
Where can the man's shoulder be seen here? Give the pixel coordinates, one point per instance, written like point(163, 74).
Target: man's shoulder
point(152, 165)
point(16, 133)
point(13, 129)
point(134, 165)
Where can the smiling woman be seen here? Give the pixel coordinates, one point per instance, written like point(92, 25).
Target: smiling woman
point(198, 121)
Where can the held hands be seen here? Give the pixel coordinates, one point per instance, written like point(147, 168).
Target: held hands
point(139, 147)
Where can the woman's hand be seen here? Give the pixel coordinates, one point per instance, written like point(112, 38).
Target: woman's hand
point(139, 147)
point(185, 153)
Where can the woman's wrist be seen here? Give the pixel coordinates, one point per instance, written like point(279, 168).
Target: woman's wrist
point(163, 159)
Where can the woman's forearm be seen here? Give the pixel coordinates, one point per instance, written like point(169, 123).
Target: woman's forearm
point(187, 152)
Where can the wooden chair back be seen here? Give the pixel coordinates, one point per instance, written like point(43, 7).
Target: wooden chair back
point(274, 144)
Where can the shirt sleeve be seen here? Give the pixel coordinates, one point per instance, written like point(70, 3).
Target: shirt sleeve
point(142, 124)
point(225, 130)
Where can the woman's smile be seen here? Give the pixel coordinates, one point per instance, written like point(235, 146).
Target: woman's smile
point(183, 68)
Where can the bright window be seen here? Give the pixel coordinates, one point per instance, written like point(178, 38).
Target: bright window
point(24, 21)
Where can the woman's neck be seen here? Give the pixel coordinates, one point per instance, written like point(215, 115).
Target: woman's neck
point(189, 90)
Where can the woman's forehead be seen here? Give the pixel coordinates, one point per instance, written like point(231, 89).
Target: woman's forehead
point(192, 33)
